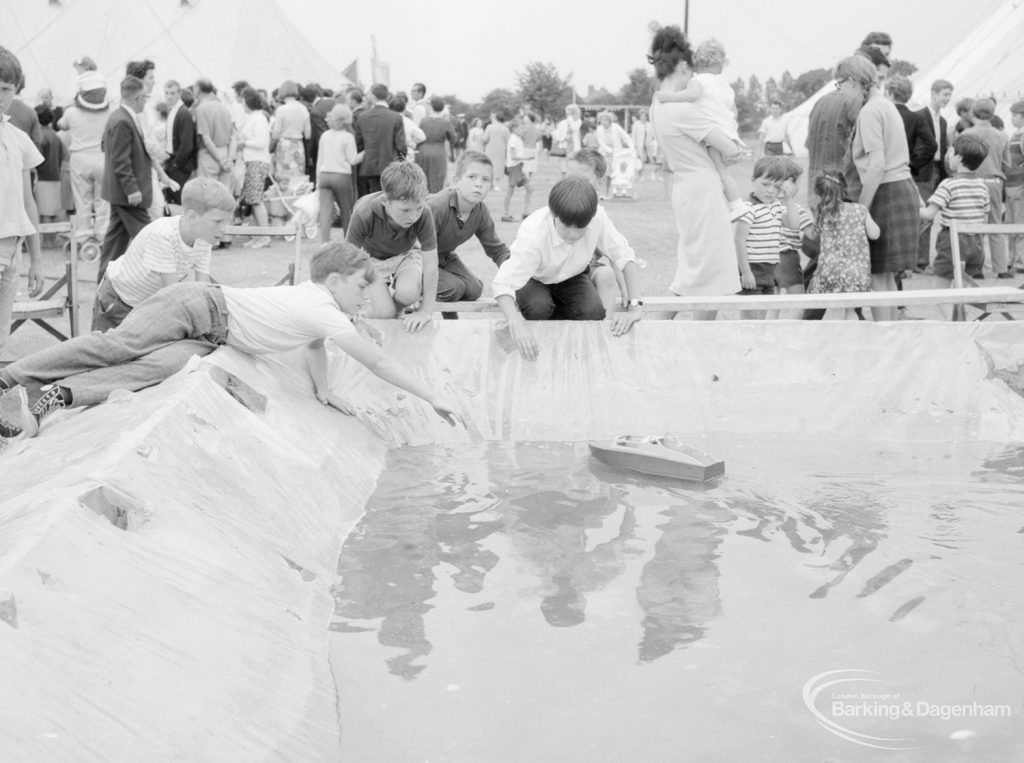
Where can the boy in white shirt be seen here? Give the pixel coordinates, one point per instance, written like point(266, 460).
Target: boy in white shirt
point(18, 213)
point(166, 251)
point(520, 163)
point(159, 336)
point(547, 275)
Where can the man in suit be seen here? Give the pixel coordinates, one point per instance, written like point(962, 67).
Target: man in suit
point(180, 143)
point(381, 134)
point(127, 173)
point(928, 178)
point(321, 107)
point(921, 143)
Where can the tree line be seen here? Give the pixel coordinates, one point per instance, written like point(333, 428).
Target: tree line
point(540, 87)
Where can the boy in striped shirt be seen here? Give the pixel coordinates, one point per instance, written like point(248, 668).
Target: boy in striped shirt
point(167, 251)
point(759, 231)
point(964, 197)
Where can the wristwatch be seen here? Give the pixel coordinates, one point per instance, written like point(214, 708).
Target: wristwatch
point(634, 303)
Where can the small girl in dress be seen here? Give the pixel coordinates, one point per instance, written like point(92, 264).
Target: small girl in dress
point(844, 227)
point(713, 120)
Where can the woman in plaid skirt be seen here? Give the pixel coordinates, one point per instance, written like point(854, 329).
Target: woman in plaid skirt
point(882, 179)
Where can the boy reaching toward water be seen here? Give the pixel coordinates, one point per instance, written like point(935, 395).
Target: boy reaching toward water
point(547, 275)
point(713, 119)
point(158, 337)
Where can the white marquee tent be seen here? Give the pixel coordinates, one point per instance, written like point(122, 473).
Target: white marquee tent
point(225, 40)
point(988, 61)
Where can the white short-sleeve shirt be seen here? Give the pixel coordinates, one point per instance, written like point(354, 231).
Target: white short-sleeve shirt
point(281, 318)
point(158, 250)
point(17, 154)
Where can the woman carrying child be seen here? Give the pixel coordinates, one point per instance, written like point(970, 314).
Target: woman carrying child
point(706, 260)
point(844, 227)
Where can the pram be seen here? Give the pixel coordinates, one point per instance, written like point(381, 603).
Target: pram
point(298, 203)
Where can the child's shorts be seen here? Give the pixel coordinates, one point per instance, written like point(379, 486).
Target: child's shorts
point(764, 277)
point(787, 272)
point(972, 254)
point(516, 176)
point(390, 269)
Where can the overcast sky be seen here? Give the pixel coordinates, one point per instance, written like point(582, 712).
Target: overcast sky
point(468, 48)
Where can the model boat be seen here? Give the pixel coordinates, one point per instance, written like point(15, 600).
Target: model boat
point(662, 456)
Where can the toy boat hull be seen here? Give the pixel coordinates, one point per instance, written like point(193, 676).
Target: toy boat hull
point(658, 456)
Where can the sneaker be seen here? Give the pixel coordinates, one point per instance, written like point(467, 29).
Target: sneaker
point(51, 400)
point(15, 416)
point(1005, 275)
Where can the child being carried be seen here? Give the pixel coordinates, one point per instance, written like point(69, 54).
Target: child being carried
point(712, 121)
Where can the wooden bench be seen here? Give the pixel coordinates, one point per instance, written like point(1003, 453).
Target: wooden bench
point(990, 306)
point(993, 295)
point(278, 231)
point(53, 304)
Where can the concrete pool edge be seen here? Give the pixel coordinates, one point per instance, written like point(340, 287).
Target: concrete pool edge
point(208, 612)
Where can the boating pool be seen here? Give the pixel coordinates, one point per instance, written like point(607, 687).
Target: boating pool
point(524, 602)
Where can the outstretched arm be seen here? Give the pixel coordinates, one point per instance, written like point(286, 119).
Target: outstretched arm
point(689, 94)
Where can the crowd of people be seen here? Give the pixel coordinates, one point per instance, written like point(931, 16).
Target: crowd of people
point(879, 174)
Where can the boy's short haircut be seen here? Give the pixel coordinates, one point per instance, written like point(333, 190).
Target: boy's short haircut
point(172, 83)
point(983, 108)
point(131, 86)
point(203, 194)
point(10, 68)
point(971, 149)
point(1017, 108)
point(770, 167)
point(709, 53)
point(342, 258)
point(900, 88)
point(792, 169)
point(309, 93)
point(471, 157)
point(941, 84)
point(437, 103)
point(205, 86)
point(963, 106)
point(592, 158)
point(380, 92)
point(45, 115)
point(139, 69)
point(403, 181)
point(573, 202)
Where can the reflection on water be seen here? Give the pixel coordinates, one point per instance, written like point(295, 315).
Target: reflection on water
point(525, 576)
point(439, 508)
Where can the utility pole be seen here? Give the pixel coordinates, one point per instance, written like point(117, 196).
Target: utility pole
point(686, 19)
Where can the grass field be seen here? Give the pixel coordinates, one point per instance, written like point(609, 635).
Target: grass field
point(646, 221)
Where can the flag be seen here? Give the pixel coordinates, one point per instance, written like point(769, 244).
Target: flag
point(351, 72)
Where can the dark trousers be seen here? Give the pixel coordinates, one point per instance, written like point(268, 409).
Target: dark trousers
point(367, 184)
point(125, 224)
point(179, 177)
point(574, 299)
point(456, 282)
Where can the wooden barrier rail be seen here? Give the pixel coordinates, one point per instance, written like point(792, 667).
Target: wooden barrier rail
point(995, 296)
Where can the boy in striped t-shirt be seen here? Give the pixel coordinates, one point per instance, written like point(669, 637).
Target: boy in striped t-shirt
point(965, 199)
point(759, 230)
point(167, 251)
